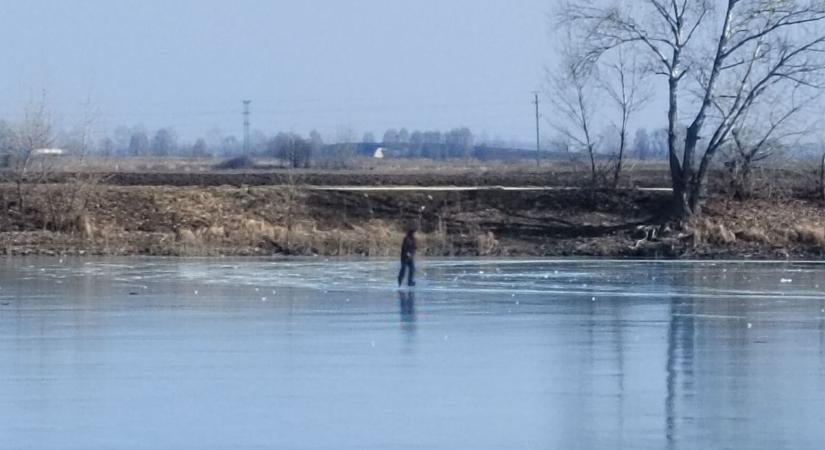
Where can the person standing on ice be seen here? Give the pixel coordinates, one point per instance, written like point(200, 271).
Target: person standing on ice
point(408, 259)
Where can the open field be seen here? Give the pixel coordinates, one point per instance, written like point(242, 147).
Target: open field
point(364, 172)
point(782, 177)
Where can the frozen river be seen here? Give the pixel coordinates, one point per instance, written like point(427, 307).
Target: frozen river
point(488, 354)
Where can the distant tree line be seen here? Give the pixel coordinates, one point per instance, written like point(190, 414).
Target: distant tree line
point(457, 143)
point(301, 151)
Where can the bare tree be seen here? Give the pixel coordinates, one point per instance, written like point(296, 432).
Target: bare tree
point(165, 142)
point(624, 86)
point(390, 137)
point(460, 142)
point(574, 101)
point(66, 208)
point(761, 133)
point(200, 149)
point(577, 87)
point(737, 51)
point(138, 143)
point(53, 185)
point(292, 149)
point(641, 144)
point(32, 135)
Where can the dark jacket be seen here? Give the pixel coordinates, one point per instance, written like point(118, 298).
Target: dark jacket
point(408, 248)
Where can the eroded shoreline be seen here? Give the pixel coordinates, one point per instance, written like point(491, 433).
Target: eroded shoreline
point(267, 220)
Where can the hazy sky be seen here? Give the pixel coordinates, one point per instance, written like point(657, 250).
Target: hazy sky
point(328, 64)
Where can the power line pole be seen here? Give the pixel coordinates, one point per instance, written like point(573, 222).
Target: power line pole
point(246, 113)
point(538, 138)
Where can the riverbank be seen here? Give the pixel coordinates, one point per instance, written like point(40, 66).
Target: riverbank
point(266, 220)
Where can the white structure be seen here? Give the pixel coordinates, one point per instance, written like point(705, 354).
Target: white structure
point(48, 152)
point(379, 153)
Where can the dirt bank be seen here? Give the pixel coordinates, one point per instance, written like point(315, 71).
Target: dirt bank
point(265, 220)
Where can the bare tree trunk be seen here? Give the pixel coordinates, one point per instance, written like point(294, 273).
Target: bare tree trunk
point(617, 171)
point(20, 206)
point(743, 188)
point(822, 178)
point(288, 227)
point(680, 205)
point(293, 192)
point(594, 178)
point(696, 181)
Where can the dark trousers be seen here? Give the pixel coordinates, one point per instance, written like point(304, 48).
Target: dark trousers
point(407, 265)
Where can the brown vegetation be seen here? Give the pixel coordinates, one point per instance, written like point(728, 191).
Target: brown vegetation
point(287, 219)
point(265, 220)
point(245, 214)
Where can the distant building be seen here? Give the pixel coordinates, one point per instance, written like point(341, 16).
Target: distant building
point(379, 153)
point(48, 152)
point(11, 159)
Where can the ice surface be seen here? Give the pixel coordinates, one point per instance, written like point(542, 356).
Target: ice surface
point(483, 354)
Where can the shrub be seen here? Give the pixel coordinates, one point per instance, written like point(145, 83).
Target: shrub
point(236, 163)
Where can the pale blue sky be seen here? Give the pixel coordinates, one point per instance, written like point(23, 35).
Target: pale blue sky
point(326, 64)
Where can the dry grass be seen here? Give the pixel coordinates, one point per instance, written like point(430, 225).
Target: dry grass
point(488, 245)
point(777, 228)
point(808, 234)
point(707, 231)
point(374, 238)
point(755, 234)
point(438, 242)
point(266, 220)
